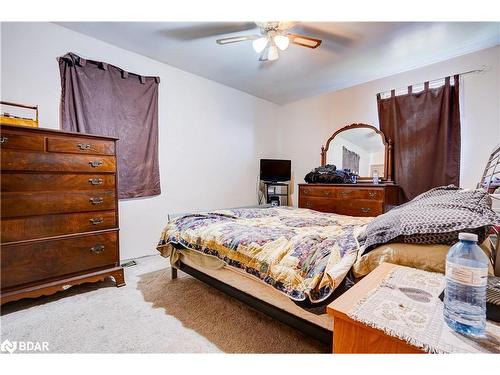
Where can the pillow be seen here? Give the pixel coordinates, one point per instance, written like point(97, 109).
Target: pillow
point(434, 217)
point(430, 258)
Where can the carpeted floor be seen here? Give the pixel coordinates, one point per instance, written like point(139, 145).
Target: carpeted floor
point(151, 314)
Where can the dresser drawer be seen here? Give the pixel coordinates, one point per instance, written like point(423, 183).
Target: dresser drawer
point(318, 204)
point(342, 192)
point(318, 191)
point(11, 140)
point(56, 181)
point(81, 146)
point(31, 262)
point(360, 193)
point(359, 207)
point(53, 162)
point(32, 227)
point(41, 203)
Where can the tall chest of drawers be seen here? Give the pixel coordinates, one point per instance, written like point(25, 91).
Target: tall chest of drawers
point(360, 199)
point(59, 211)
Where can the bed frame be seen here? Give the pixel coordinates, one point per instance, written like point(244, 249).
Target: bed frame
point(322, 334)
point(490, 181)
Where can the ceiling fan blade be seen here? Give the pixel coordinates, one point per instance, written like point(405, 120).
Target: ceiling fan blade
point(200, 30)
point(236, 39)
point(304, 41)
point(329, 38)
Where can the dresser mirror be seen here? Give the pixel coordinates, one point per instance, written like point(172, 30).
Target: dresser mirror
point(361, 148)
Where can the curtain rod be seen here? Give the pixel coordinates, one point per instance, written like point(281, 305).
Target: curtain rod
point(484, 68)
point(77, 59)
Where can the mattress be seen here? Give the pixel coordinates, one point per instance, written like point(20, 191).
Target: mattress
point(430, 258)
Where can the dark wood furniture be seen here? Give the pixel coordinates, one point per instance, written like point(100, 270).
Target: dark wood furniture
point(59, 211)
point(363, 198)
point(355, 337)
point(360, 199)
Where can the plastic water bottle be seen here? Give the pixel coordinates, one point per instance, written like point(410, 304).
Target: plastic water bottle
point(375, 177)
point(465, 291)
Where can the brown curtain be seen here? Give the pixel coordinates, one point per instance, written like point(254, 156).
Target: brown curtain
point(102, 99)
point(425, 130)
point(350, 160)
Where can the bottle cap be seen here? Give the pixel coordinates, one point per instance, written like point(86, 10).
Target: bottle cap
point(467, 237)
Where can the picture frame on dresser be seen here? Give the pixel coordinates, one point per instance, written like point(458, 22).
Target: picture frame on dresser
point(59, 211)
point(363, 198)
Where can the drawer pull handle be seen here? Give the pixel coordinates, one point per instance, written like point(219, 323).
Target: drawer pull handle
point(96, 220)
point(95, 181)
point(3, 139)
point(96, 200)
point(327, 193)
point(344, 194)
point(306, 191)
point(84, 146)
point(365, 210)
point(95, 163)
point(97, 249)
point(372, 194)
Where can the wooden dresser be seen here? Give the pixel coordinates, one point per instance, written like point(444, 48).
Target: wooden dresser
point(59, 211)
point(360, 199)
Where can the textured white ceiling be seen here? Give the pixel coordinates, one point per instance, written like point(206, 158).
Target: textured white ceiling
point(351, 52)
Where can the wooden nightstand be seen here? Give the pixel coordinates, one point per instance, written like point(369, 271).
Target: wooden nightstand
point(351, 336)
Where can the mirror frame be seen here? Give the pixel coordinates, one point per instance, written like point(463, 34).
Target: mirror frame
point(387, 144)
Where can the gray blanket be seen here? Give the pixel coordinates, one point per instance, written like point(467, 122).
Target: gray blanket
point(434, 217)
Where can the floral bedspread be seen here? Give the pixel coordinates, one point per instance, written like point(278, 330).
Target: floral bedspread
point(303, 253)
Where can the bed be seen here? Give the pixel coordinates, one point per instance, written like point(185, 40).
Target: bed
point(291, 262)
point(287, 262)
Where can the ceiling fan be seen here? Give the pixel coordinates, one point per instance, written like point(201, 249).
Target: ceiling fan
point(274, 36)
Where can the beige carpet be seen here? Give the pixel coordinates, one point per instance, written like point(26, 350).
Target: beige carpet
point(152, 314)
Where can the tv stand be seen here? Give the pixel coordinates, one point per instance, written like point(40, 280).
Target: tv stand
point(281, 190)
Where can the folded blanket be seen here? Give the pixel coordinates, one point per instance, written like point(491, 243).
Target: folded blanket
point(434, 217)
point(302, 253)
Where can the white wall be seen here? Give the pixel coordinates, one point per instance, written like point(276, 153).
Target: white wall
point(308, 123)
point(211, 136)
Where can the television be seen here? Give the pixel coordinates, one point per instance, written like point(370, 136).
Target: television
point(274, 170)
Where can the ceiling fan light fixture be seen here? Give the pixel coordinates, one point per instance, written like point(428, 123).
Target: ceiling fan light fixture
point(259, 44)
point(282, 42)
point(272, 38)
